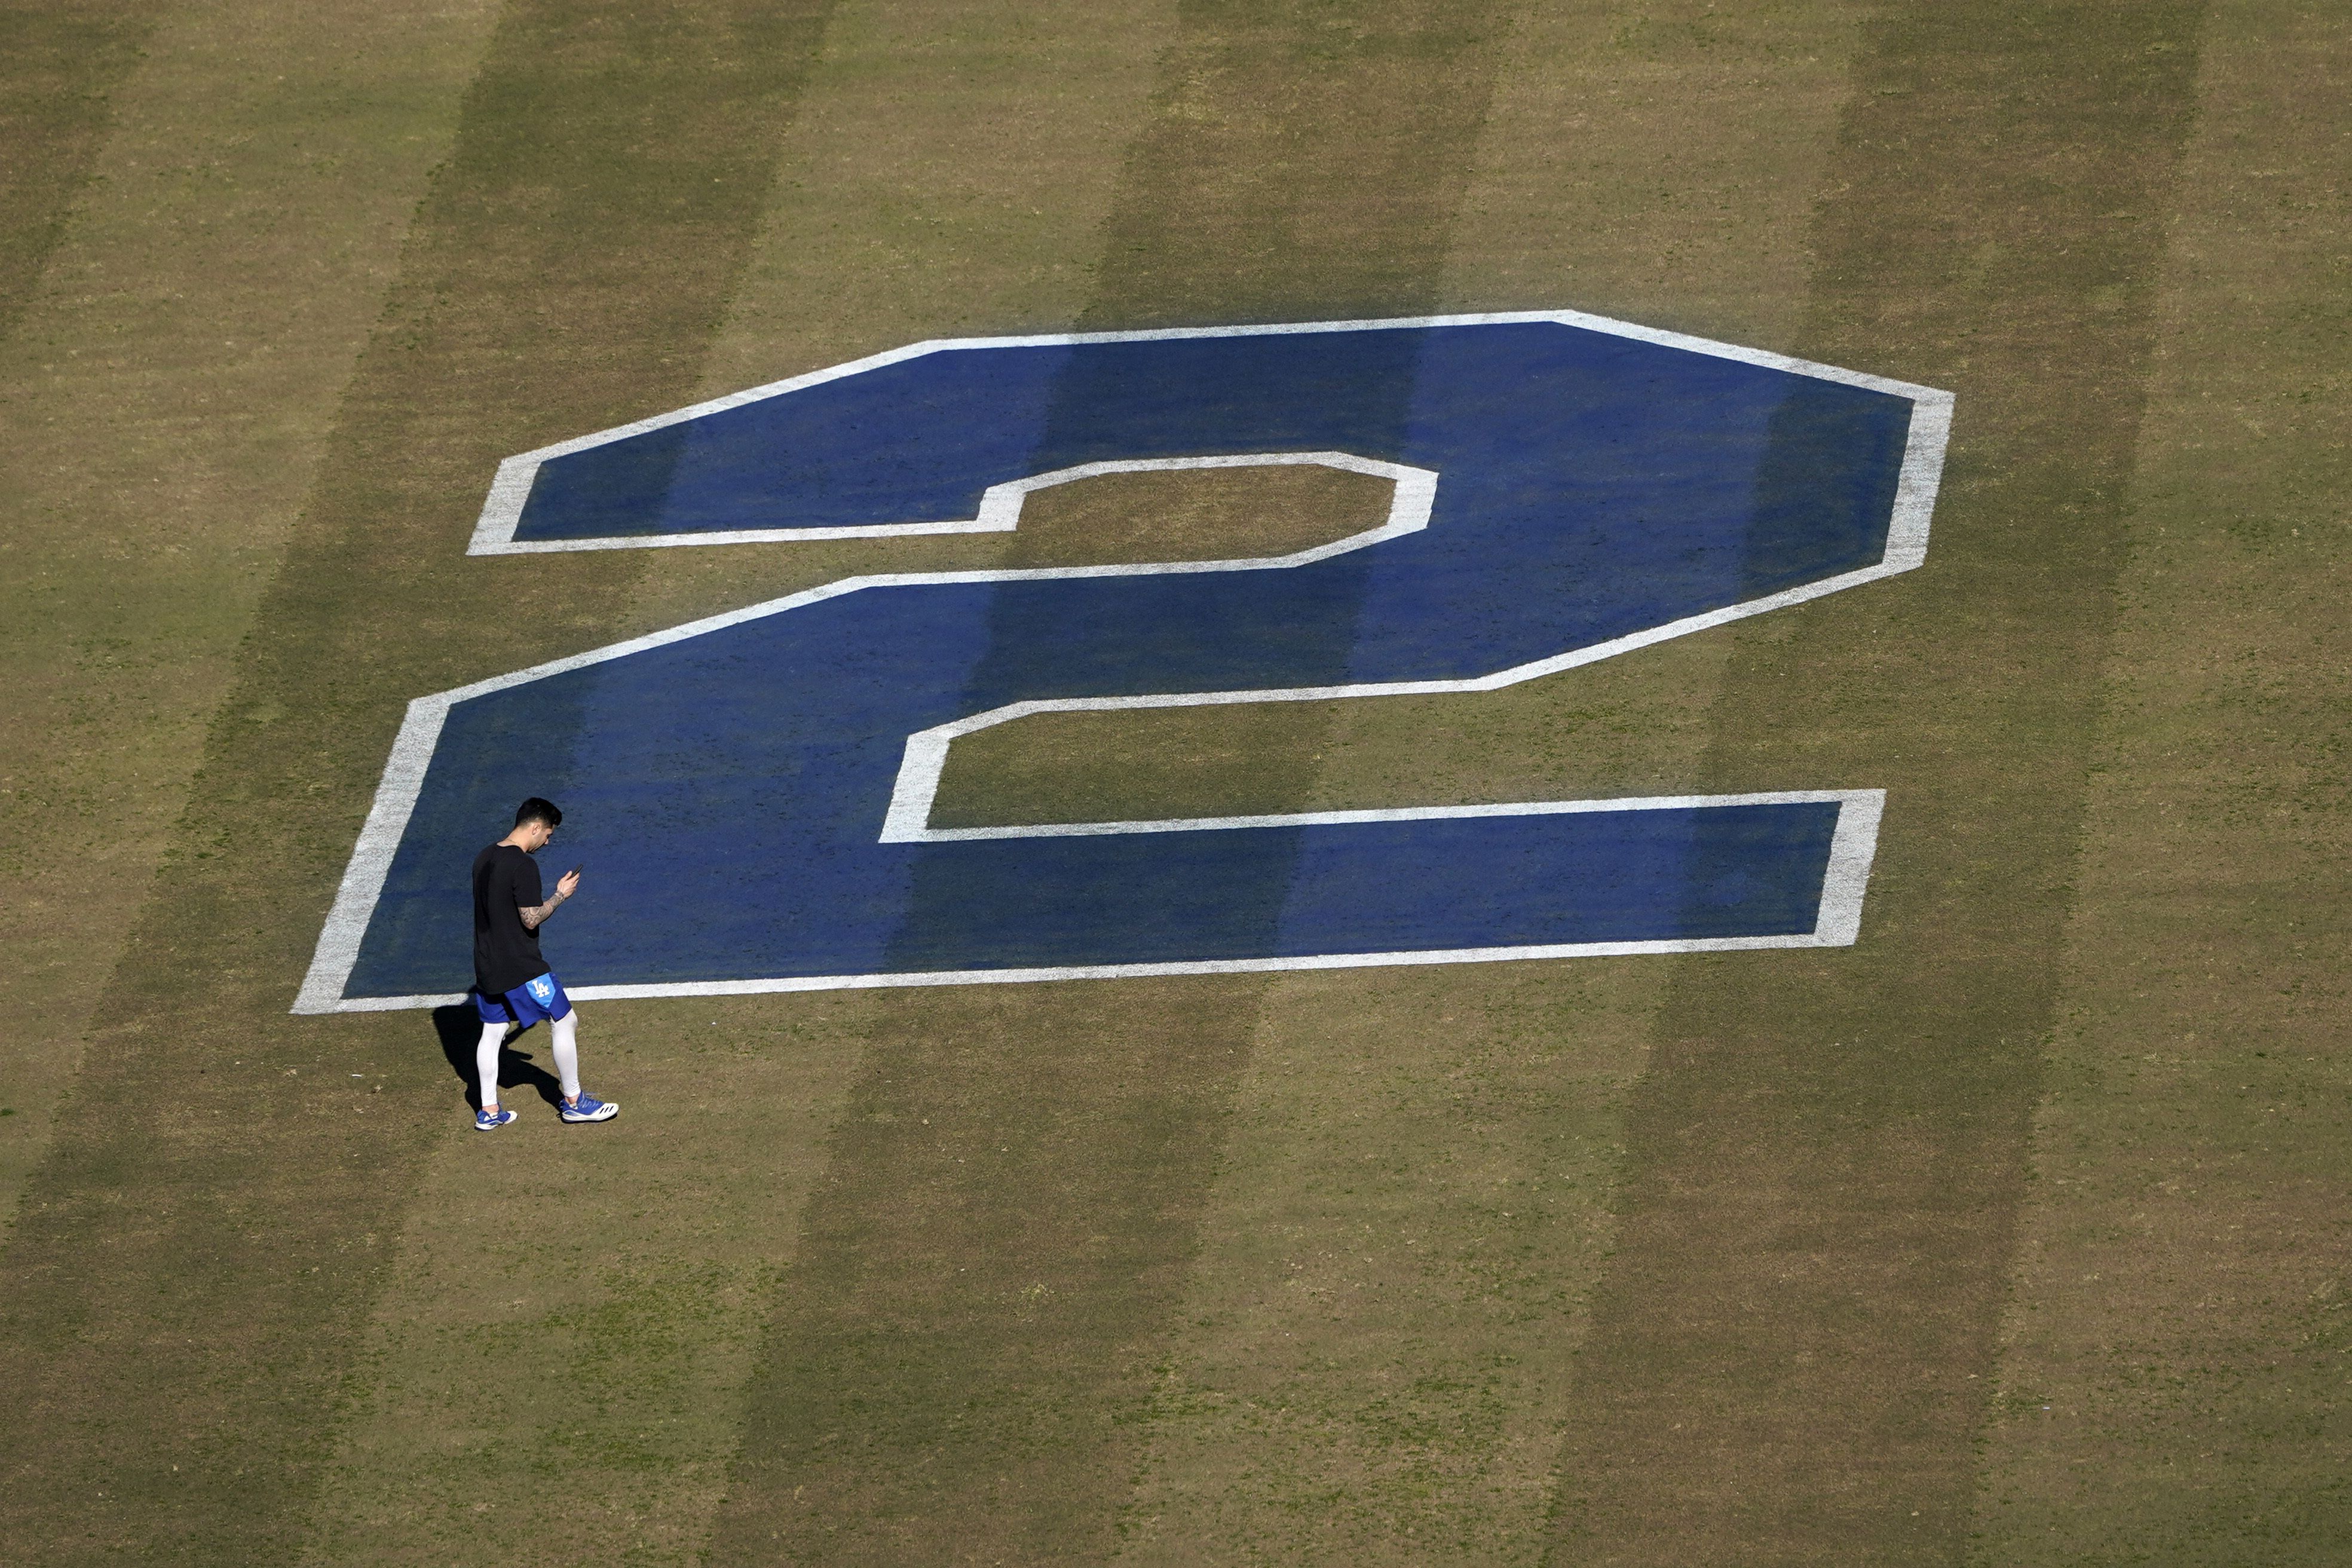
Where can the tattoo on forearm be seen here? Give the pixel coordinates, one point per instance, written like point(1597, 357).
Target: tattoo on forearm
point(533, 914)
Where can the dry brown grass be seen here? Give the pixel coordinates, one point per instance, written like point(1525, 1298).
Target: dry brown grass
point(1744, 1259)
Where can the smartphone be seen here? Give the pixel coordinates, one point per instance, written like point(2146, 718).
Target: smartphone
point(574, 871)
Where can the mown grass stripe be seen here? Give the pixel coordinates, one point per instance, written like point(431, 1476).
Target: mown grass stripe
point(940, 169)
point(60, 65)
point(962, 1356)
point(2185, 1262)
point(199, 1249)
point(1826, 1157)
point(1412, 1201)
point(60, 61)
point(168, 398)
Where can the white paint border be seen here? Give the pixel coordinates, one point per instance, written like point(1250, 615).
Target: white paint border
point(1852, 846)
point(494, 531)
point(395, 799)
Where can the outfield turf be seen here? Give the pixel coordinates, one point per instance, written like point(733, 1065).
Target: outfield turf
point(2014, 1234)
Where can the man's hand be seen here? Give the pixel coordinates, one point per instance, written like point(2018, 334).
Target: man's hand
point(534, 913)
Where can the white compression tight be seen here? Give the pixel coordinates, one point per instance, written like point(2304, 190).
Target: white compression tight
point(566, 1031)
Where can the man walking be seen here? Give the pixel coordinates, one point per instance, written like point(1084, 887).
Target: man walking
point(511, 982)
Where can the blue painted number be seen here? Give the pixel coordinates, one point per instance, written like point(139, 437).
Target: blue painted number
point(755, 790)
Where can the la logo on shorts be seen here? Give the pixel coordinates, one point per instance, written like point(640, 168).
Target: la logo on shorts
point(543, 990)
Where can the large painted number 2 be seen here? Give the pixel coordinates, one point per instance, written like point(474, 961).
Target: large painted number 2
point(755, 790)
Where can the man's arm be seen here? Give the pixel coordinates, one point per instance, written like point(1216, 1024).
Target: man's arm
point(534, 913)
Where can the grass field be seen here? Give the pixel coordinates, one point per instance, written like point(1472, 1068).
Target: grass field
point(2018, 1233)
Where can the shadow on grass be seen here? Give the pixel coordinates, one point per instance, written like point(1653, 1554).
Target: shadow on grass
point(460, 1029)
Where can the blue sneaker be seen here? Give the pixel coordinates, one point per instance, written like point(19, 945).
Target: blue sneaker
point(490, 1121)
point(588, 1108)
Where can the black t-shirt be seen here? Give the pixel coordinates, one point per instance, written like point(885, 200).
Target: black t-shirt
point(506, 951)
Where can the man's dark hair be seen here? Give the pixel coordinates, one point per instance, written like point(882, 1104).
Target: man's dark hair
point(538, 810)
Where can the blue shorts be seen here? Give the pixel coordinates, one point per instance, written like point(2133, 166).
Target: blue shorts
point(527, 1004)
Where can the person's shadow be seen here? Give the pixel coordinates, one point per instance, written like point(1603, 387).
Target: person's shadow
point(460, 1028)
